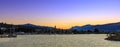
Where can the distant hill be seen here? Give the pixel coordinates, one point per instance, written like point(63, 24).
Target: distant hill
point(31, 25)
point(24, 25)
point(111, 27)
point(36, 26)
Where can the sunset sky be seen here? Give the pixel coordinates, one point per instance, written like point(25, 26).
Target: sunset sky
point(62, 13)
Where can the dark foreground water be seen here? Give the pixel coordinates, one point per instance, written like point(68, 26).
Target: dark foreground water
point(83, 40)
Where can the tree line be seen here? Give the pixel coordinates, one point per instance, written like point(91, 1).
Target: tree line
point(20, 29)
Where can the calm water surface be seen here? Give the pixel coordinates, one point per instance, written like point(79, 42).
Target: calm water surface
point(82, 40)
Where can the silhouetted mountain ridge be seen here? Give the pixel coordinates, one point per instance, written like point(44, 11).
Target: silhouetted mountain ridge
point(111, 27)
point(36, 26)
point(29, 24)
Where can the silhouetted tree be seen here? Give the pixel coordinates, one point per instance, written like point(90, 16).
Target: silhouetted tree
point(75, 32)
point(89, 31)
point(1, 32)
point(96, 31)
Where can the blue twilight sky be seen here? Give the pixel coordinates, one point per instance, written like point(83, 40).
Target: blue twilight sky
point(62, 13)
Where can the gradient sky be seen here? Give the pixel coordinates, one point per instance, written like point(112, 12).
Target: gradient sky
point(62, 13)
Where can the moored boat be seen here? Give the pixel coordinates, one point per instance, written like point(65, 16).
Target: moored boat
point(113, 36)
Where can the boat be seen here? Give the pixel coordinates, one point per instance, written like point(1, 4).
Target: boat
point(8, 36)
point(113, 36)
point(11, 34)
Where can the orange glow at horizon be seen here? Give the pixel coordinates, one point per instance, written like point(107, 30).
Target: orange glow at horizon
point(62, 24)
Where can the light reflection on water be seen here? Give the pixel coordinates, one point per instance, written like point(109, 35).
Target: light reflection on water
point(82, 40)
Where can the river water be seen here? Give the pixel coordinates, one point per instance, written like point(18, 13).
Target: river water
point(80, 40)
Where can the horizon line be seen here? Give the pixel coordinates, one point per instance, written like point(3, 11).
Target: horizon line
point(62, 28)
